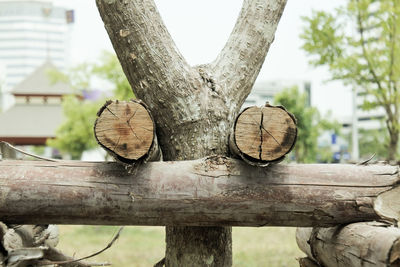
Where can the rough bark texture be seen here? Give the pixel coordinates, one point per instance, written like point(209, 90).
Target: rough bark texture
point(126, 130)
point(193, 107)
point(307, 262)
point(356, 245)
point(263, 134)
point(215, 191)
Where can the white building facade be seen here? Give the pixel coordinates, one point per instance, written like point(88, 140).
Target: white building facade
point(31, 33)
point(264, 91)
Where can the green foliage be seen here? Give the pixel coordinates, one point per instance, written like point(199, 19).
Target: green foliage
point(78, 77)
point(110, 69)
point(360, 44)
point(75, 134)
point(373, 142)
point(309, 123)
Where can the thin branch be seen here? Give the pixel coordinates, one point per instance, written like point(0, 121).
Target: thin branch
point(92, 255)
point(365, 53)
point(392, 36)
point(365, 162)
point(26, 153)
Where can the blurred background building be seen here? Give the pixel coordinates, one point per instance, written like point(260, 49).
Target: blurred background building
point(31, 33)
point(265, 90)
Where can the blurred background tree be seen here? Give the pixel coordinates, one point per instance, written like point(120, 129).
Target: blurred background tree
point(109, 69)
point(309, 124)
point(360, 46)
point(75, 134)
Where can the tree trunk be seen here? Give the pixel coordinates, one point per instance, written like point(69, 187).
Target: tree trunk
point(215, 191)
point(193, 107)
point(307, 262)
point(356, 245)
point(393, 144)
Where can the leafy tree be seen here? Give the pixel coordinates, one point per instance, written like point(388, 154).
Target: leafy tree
point(373, 142)
point(309, 123)
point(75, 135)
point(360, 44)
point(109, 69)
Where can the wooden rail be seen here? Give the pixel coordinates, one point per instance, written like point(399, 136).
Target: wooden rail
point(215, 191)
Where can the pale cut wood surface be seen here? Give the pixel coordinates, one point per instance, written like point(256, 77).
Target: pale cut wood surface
point(125, 128)
point(215, 191)
point(265, 134)
point(370, 244)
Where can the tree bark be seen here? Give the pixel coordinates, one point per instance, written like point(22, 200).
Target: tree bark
point(215, 191)
point(193, 107)
point(125, 129)
point(263, 135)
point(307, 262)
point(355, 245)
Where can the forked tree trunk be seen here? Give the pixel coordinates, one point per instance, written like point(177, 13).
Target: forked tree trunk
point(193, 107)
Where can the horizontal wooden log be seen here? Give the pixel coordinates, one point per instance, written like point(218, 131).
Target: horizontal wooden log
point(262, 135)
point(371, 244)
point(215, 191)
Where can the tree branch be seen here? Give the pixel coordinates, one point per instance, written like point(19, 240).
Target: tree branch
point(367, 58)
point(150, 59)
point(238, 64)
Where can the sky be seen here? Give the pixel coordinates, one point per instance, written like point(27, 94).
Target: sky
point(200, 30)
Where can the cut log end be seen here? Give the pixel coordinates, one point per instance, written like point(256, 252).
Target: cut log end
point(126, 129)
point(264, 134)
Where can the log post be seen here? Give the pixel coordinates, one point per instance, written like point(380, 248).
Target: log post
point(262, 135)
point(126, 130)
point(371, 244)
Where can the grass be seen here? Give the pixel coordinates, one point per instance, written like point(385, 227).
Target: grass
point(144, 246)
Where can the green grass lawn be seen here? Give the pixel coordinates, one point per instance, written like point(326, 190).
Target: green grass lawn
point(144, 246)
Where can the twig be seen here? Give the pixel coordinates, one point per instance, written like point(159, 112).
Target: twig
point(47, 262)
point(92, 255)
point(26, 153)
point(365, 162)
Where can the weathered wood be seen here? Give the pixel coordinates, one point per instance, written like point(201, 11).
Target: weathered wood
point(263, 134)
point(215, 191)
point(126, 130)
point(307, 262)
point(371, 244)
point(194, 107)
